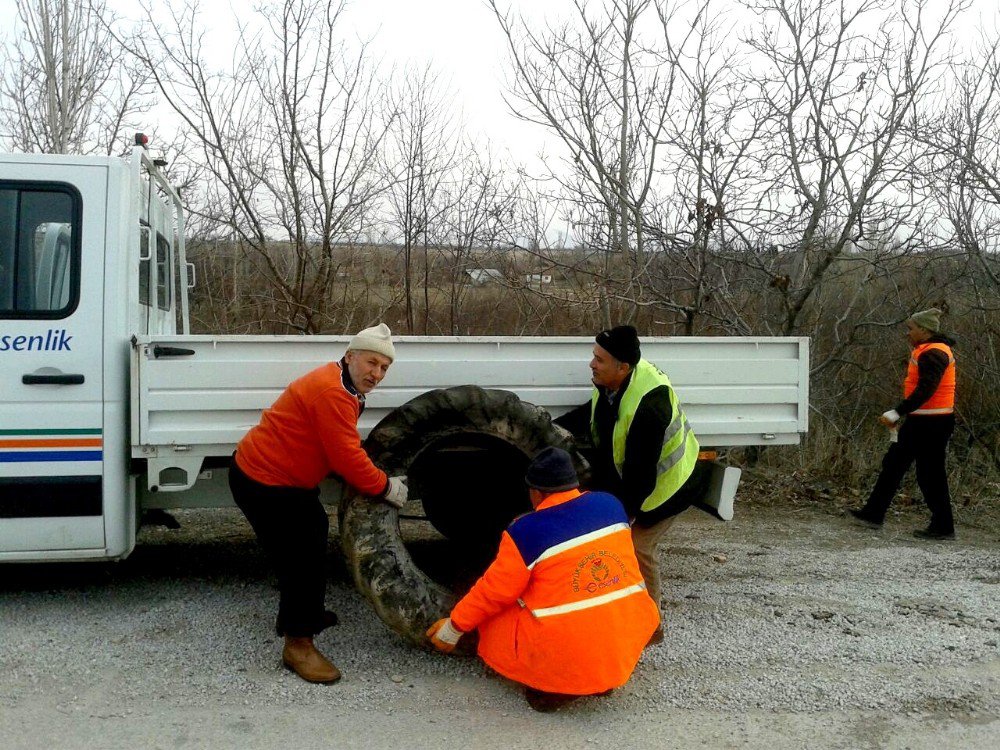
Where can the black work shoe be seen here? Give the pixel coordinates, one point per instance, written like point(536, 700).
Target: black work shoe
point(546, 703)
point(934, 534)
point(656, 637)
point(863, 519)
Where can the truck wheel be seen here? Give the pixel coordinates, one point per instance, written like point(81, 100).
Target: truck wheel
point(464, 451)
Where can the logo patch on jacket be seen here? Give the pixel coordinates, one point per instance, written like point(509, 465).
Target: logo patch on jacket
point(604, 569)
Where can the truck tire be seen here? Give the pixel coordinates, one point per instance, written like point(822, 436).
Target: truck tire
point(417, 439)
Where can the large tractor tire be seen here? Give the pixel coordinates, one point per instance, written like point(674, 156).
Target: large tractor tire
point(464, 451)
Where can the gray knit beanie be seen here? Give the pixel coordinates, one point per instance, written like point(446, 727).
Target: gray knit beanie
point(928, 319)
point(376, 339)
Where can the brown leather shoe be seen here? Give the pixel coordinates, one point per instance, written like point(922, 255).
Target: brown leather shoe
point(303, 658)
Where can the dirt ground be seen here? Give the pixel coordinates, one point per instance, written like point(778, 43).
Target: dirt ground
point(788, 627)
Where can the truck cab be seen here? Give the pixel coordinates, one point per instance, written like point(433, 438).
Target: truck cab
point(78, 237)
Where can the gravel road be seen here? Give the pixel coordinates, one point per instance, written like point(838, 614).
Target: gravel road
point(785, 628)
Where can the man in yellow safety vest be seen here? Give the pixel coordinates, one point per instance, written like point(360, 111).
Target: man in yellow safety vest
point(645, 452)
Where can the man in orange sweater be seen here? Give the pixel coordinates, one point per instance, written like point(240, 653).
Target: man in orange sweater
point(563, 608)
point(310, 432)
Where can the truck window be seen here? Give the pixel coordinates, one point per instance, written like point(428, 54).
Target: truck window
point(144, 268)
point(39, 250)
point(163, 268)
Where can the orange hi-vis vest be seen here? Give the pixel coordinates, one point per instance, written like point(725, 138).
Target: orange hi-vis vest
point(563, 608)
point(942, 401)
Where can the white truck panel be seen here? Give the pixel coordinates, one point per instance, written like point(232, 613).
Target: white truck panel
point(735, 391)
point(52, 436)
point(52, 538)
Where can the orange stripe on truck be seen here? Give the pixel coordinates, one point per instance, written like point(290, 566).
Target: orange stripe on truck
point(53, 443)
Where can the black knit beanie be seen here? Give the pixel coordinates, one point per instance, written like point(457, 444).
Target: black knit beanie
point(622, 343)
point(552, 471)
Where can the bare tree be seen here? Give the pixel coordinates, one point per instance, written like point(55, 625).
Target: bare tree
point(480, 217)
point(839, 82)
point(423, 142)
point(710, 183)
point(598, 90)
point(960, 143)
point(68, 86)
point(289, 141)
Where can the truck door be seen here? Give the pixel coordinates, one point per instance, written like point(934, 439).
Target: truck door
point(52, 238)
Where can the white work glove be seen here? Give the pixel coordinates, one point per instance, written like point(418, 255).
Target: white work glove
point(889, 418)
point(396, 491)
point(444, 636)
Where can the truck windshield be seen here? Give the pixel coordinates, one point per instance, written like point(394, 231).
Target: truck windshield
point(39, 251)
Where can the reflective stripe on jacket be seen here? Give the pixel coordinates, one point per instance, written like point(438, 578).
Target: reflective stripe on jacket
point(942, 401)
point(679, 453)
point(563, 607)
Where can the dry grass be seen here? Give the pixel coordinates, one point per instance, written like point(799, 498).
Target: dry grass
point(860, 343)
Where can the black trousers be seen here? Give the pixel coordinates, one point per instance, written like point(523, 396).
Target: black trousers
point(292, 527)
point(922, 440)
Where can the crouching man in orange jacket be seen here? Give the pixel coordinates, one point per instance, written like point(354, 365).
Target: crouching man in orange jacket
point(563, 609)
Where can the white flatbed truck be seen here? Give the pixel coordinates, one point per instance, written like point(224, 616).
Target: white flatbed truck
point(110, 407)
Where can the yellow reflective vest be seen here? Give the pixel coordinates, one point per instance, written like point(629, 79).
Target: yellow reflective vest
point(679, 453)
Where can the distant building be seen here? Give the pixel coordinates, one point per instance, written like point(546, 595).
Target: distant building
point(538, 278)
point(481, 276)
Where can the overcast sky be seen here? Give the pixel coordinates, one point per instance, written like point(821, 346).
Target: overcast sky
point(460, 37)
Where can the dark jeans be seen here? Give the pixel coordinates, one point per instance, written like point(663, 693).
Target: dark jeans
point(292, 527)
point(922, 440)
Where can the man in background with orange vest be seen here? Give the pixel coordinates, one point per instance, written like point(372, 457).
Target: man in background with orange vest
point(563, 608)
point(308, 433)
point(928, 405)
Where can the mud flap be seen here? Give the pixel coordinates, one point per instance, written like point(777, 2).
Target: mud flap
point(722, 484)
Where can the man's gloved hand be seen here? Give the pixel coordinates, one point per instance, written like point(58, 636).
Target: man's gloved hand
point(890, 418)
point(444, 636)
point(396, 491)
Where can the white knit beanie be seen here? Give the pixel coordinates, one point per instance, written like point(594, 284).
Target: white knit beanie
point(375, 339)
